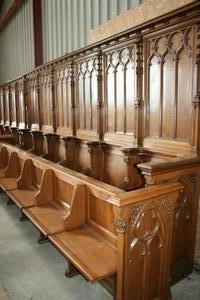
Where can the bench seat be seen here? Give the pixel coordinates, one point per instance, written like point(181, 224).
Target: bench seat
point(48, 218)
point(8, 184)
point(23, 198)
point(92, 256)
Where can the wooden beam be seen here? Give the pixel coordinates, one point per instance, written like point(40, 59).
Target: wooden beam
point(37, 24)
point(9, 13)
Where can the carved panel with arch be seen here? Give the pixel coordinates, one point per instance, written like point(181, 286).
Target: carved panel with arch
point(169, 85)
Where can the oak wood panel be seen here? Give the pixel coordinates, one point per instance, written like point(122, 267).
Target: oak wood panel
point(64, 99)
point(169, 78)
point(33, 100)
point(46, 100)
point(21, 104)
point(87, 97)
point(120, 93)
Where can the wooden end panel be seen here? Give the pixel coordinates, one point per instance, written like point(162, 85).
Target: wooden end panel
point(97, 261)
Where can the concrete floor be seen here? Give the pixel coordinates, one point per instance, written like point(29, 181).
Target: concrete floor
point(32, 271)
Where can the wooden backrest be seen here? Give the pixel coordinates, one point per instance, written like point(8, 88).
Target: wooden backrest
point(87, 96)
point(121, 92)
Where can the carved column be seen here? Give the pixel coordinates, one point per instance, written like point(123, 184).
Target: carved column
point(52, 88)
point(196, 99)
point(100, 96)
point(73, 104)
point(139, 101)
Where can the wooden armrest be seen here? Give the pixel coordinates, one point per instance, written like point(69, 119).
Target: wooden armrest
point(46, 193)
point(94, 258)
point(76, 216)
point(27, 177)
point(12, 169)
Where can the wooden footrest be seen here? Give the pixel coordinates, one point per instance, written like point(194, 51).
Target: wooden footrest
point(8, 184)
point(47, 218)
point(93, 257)
point(23, 198)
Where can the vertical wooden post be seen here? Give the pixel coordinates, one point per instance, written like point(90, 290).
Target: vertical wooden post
point(73, 102)
point(196, 99)
point(100, 100)
point(138, 100)
point(37, 24)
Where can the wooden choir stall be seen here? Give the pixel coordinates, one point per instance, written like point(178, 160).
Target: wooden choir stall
point(100, 150)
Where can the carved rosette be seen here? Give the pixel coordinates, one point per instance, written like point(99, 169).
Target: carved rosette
point(120, 225)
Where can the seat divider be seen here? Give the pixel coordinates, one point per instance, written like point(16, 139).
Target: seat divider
point(46, 192)
point(12, 169)
point(3, 157)
point(27, 178)
point(77, 213)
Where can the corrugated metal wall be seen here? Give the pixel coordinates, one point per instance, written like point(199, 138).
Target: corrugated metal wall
point(66, 22)
point(17, 44)
point(65, 27)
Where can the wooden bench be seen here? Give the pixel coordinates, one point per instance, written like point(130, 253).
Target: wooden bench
point(59, 206)
point(103, 231)
point(60, 214)
point(56, 200)
point(8, 180)
point(27, 185)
